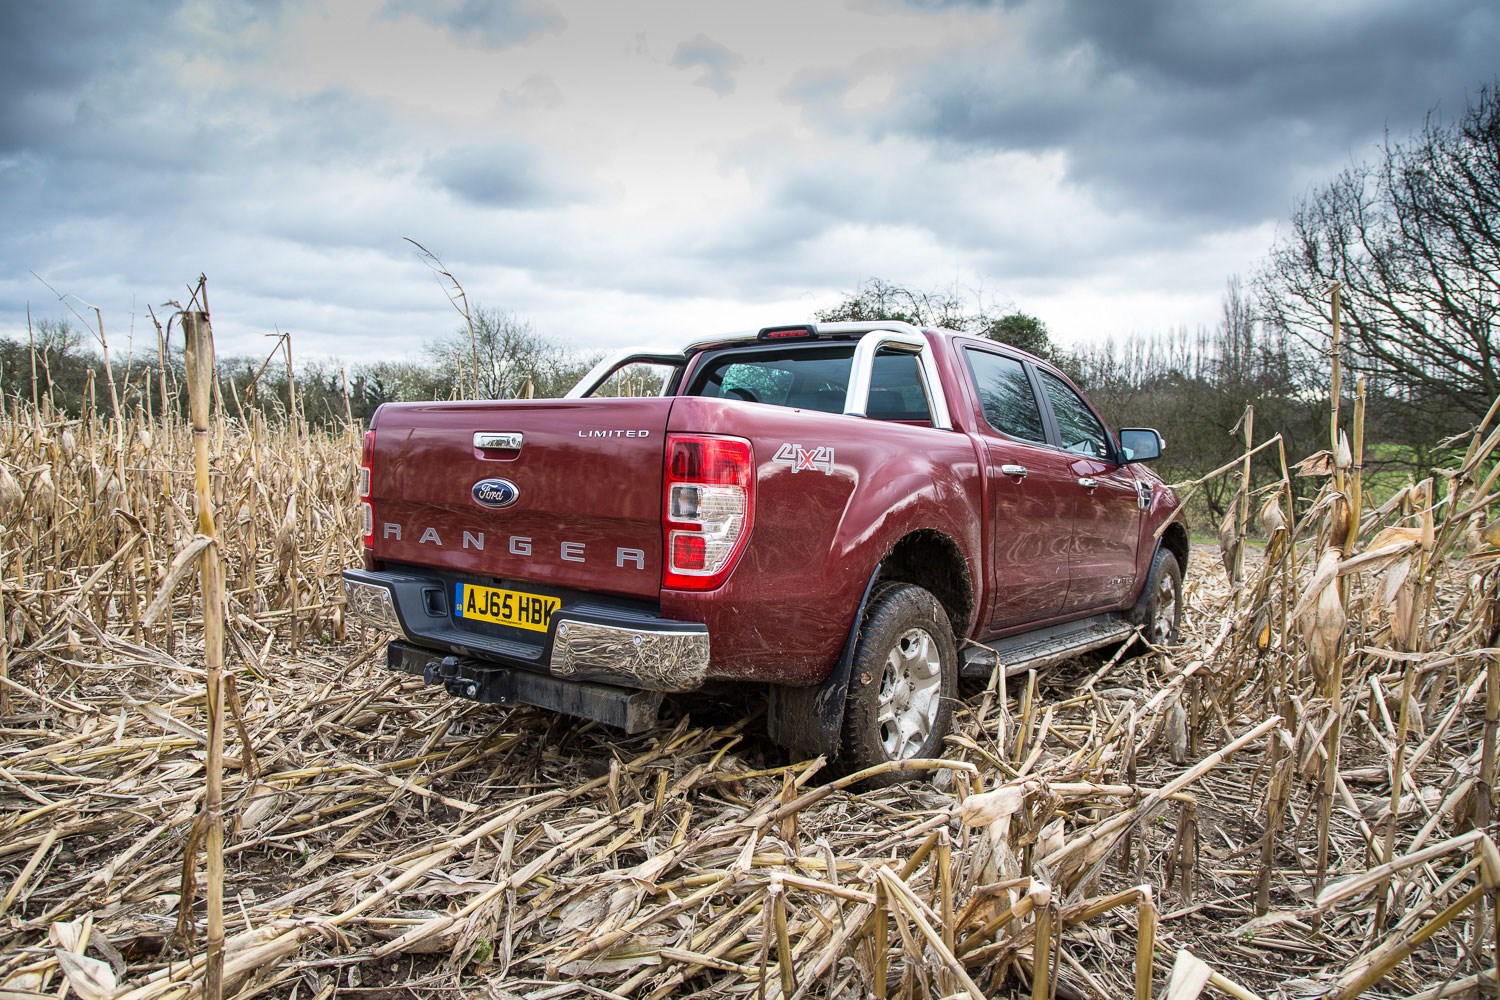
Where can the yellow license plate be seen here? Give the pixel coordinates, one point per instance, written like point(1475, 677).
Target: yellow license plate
point(504, 607)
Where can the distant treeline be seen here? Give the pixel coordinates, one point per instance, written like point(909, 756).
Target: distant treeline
point(1194, 386)
point(504, 359)
point(1198, 386)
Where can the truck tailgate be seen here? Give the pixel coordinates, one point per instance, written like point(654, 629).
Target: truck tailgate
point(576, 505)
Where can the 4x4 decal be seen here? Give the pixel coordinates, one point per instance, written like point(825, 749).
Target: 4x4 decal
point(818, 458)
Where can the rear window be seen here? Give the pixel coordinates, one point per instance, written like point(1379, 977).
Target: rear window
point(814, 379)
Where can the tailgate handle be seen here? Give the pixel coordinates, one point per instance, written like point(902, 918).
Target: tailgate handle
point(497, 440)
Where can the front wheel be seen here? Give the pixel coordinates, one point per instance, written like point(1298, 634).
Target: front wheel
point(904, 681)
point(1162, 620)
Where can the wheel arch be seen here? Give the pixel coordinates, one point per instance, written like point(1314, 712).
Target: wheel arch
point(1175, 541)
point(810, 719)
point(932, 560)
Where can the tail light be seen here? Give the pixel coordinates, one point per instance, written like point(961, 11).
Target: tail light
point(707, 509)
point(366, 473)
point(801, 332)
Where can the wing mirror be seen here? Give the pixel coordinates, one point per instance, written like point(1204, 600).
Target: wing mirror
point(1141, 444)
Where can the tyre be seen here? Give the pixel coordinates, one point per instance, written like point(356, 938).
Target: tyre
point(1162, 611)
point(903, 683)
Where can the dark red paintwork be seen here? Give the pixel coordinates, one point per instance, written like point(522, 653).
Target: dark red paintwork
point(1037, 549)
point(600, 493)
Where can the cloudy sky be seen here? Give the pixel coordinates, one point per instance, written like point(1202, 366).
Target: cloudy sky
point(637, 173)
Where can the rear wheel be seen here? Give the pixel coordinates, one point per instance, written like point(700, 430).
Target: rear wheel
point(904, 681)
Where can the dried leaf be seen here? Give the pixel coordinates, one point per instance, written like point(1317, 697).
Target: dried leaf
point(1317, 464)
point(1050, 838)
point(90, 978)
point(1189, 976)
point(182, 564)
point(1389, 546)
point(24, 985)
point(1394, 535)
point(43, 491)
point(1326, 573)
point(1271, 517)
point(1400, 598)
point(1229, 541)
point(648, 871)
point(286, 539)
point(1322, 616)
point(11, 496)
point(1177, 732)
point(1339, 516)
point(599, 912)
point(987, 808)
point(261, 804)
point(405, 922)
point(66, 934)
point(1396, 575)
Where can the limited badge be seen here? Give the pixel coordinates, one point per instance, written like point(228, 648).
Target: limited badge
point(495, 493)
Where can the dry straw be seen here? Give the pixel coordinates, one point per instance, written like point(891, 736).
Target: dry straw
point(378, 833)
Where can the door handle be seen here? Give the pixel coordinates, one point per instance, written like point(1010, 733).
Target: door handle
point(1019, 471)
point(1089, 483)
point(503, 440)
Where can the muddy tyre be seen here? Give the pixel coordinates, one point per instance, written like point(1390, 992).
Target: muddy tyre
point(1161, 619)
point(903, 683)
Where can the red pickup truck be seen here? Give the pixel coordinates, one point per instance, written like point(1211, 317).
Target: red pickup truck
point(850, 514)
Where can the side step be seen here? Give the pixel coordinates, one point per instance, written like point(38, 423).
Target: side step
point(1045, 646)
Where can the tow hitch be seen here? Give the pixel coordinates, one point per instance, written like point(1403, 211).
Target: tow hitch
point(491, 684)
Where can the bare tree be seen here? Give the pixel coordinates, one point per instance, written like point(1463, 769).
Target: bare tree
point(1194, 386)
point(1415, 241)
point(947, 309)
point(510, 359)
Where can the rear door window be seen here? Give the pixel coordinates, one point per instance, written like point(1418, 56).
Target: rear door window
point(1006, 396)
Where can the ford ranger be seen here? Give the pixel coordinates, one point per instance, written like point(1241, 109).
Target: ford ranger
point(851, 515)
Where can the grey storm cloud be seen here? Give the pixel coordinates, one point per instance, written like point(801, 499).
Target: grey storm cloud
point(501, 175)
point(493, 23)
point(114, 176)
point(1205, 109)
point(717, 62)
point(809, 203)
point(978, 4)
point(50, 52)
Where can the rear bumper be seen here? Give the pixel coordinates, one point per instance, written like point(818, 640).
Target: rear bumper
point(631, 710)
point(588, 639)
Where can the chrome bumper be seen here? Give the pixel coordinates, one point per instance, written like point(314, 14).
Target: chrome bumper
point(370, 605)
point(661, 661)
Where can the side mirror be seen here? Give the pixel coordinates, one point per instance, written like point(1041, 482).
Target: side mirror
point(1141, 444)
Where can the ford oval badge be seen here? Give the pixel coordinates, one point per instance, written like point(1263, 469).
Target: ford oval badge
point(495, 493)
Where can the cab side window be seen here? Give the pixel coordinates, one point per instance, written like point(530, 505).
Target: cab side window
point(1079, 429)
point(1005, 395)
